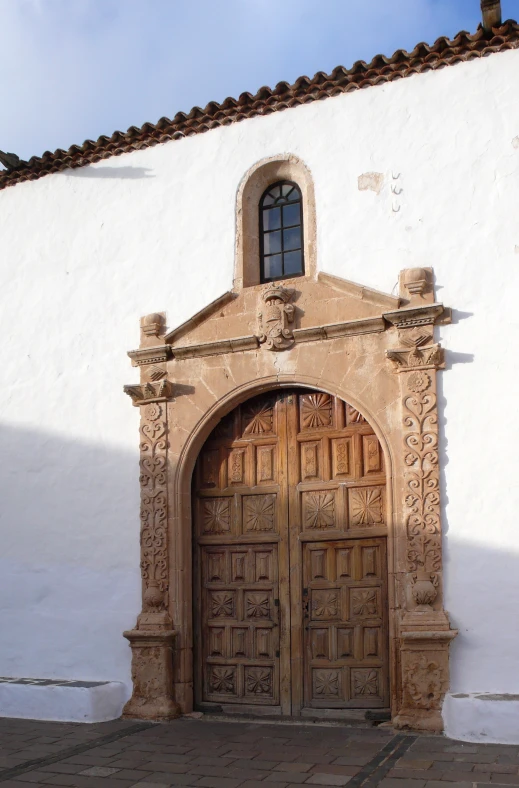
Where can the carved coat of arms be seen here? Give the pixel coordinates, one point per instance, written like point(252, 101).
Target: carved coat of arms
point(275, 317)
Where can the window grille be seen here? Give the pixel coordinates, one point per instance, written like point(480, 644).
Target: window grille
point(281, 232)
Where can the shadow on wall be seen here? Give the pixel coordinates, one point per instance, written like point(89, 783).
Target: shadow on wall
point(69, 566)
point(70, 579)
point(123, 173)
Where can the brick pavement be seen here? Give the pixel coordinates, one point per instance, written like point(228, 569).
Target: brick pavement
point(219, 754)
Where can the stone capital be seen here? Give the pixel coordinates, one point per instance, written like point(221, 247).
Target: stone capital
point(146, 393)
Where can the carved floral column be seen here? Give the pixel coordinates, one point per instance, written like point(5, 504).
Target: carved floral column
point(424, 628)
point(152, 639)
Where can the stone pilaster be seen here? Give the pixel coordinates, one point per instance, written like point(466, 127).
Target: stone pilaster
point(424, 630)
point(152, 639)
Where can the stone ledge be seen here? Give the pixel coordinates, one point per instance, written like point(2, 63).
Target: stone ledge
point(62, 700)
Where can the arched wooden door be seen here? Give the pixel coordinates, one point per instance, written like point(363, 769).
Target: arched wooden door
point(290, 559)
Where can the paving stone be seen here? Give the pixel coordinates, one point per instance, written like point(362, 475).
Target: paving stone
point(416, 774)
point(151, 785)
point(257, 763)
point(333, 768)
point(133, 774)
point(458, 777)
point(219, 782)
point(497, 768)
point(210, 760)
point(279, 777)
point(99, 771)
point(476, 757)
point(259, 784)
point(294, 767)
point(166, 766)
point(15, 784)
point(438, 784)
point(83, 781)
point(31, 777)
point(247, 774)
point(504, 779)
point(452, 766)
point(134, 762)
point(174, 779)
point(462, 748)
point(404, 763)
point(213, 771)
point(242, 753)
point(281, 755)
point(351, 760)
point(391, 782)
point(320, 778)
point(63, 768)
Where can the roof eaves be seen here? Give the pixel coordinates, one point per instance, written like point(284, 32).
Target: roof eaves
point(444, 52)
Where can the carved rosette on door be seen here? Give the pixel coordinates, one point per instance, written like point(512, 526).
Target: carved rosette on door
point(289, 501)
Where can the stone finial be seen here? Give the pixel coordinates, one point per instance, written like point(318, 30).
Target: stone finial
point(491, 11)
point(415, 280)
point(151, 324)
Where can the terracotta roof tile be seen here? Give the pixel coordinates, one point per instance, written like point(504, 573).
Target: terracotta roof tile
point(444, 52)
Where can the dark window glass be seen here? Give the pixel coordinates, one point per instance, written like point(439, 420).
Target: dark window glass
point(281, 232)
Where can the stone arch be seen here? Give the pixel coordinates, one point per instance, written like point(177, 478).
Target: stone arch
point(181, 537)
point(253, 184)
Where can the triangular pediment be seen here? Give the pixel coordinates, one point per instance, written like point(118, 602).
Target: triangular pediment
point(328, 301)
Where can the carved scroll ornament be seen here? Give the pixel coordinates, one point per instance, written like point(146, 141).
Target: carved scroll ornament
point(151, 641)
point(154, 552)
point(422, 482)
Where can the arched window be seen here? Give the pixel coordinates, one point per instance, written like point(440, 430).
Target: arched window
point(281, 232)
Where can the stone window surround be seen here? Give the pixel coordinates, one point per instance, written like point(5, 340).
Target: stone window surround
point(256, 180)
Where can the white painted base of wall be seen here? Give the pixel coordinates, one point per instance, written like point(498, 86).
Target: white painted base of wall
point(63, 703)
point(482, 718)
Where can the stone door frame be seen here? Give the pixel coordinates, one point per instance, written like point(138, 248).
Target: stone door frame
point(385, 366)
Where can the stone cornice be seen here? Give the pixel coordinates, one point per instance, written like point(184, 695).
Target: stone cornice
point(216, 348)
point(370, 325)
point(150, 355)
point(412, 317)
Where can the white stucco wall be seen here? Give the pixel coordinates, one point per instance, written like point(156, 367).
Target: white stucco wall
point(85, 253)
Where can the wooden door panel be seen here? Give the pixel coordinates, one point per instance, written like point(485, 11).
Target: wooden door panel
point(241, 632)
point(240, 519)
point(289, 495)
point(346, 624)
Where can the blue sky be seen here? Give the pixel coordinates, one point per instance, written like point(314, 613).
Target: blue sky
point(75, 69)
